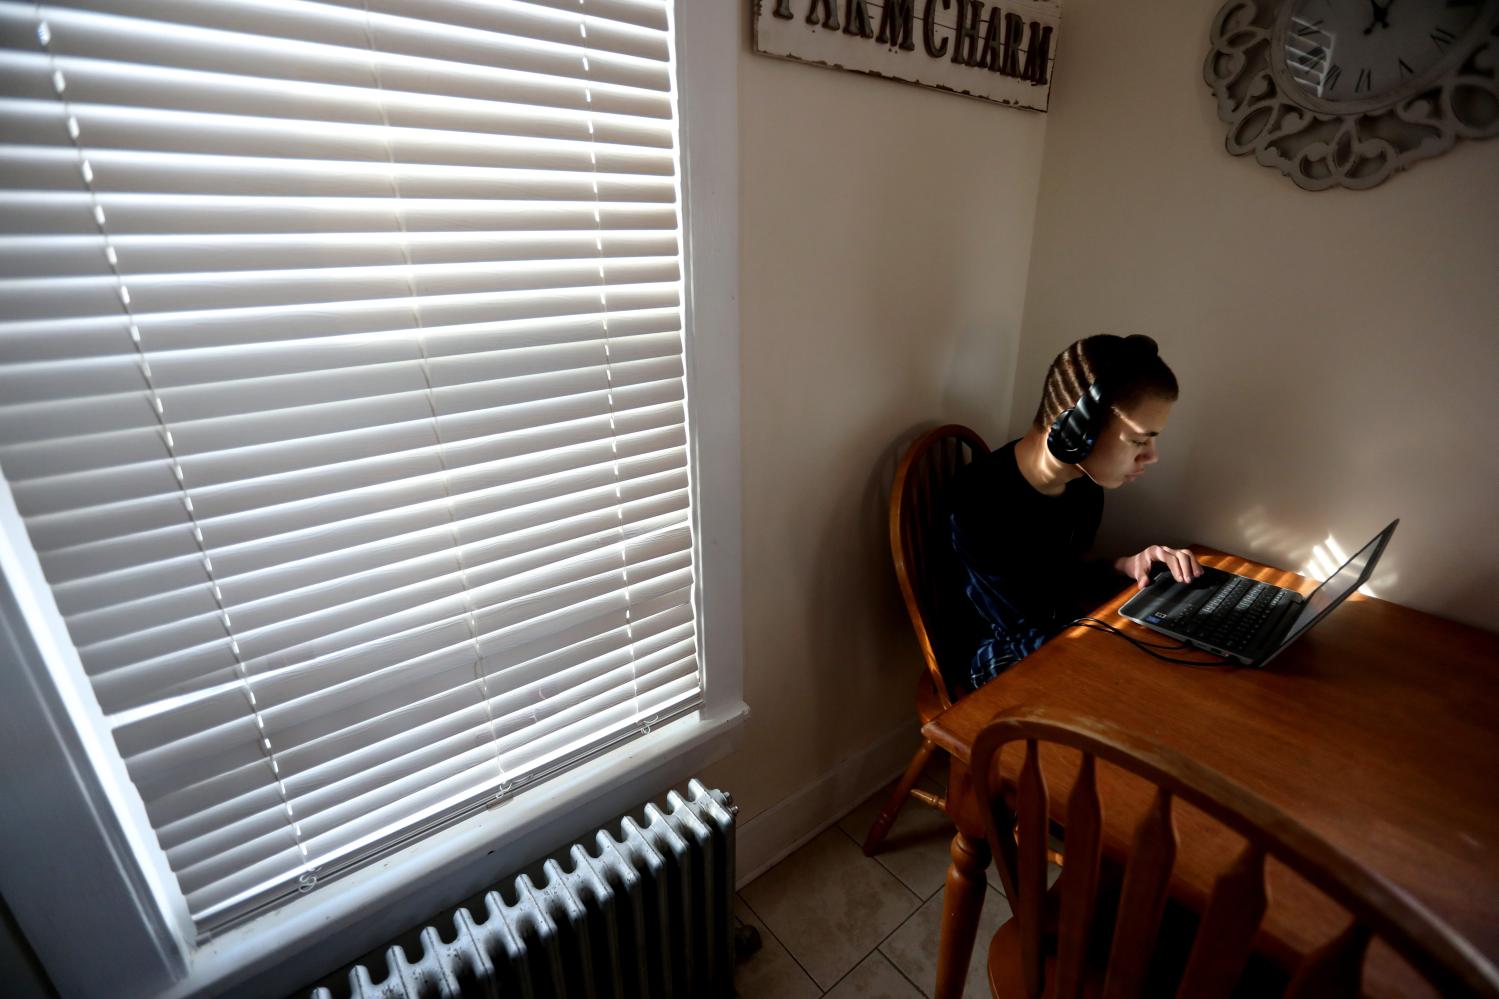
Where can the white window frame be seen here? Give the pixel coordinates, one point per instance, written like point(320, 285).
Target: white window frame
point(100, 922)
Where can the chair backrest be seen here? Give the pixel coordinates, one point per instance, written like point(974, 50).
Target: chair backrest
point(1225, 936)
point(920, 542)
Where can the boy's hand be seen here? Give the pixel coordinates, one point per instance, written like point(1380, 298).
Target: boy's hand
point(1182, 563)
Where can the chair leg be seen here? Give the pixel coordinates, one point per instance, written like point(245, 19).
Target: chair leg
point(897, 798)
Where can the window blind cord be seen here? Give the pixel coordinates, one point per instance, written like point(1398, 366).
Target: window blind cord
point(308, 876)
point(442, 459)
point(598, 242)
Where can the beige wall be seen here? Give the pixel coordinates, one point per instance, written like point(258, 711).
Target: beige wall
point(884, 239)
point(1338, 351)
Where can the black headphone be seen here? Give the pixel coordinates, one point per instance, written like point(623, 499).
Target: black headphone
point(1076, 428)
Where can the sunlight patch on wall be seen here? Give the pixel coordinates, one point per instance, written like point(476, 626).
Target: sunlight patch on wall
point(1328, 557)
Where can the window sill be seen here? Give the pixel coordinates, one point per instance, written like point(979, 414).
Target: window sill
point(295, 945)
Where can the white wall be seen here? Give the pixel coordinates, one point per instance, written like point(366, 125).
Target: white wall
point(884, 239)
point(1337, 350)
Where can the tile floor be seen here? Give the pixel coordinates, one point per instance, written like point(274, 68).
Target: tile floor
point(836, 923)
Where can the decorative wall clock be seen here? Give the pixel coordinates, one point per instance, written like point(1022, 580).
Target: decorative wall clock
point(1344, 93)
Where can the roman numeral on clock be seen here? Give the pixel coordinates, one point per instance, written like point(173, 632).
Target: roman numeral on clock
point(1405, 70)
point(1365, 80)
point(1331, 79)
point(1441, 38)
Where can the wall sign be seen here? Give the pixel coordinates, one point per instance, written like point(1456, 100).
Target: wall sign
point(1000, 52)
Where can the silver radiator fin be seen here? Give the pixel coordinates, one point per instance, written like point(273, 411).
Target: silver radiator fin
point(644, 915)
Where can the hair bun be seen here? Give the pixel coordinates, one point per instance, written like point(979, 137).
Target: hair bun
point(1140, 344)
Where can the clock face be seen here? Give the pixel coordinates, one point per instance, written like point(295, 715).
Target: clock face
point(1342, 51)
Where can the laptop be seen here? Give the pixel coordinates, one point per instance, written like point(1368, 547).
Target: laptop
point(1244, 619)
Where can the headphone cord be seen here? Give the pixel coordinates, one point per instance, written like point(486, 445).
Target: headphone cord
point(1146, 647)
point(1090, 622)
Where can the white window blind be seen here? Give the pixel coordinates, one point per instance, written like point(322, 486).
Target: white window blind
point(342, 397)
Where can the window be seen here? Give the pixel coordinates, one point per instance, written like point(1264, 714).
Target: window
point(347, 419)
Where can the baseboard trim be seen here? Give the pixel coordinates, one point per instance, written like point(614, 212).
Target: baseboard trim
point(781, 829)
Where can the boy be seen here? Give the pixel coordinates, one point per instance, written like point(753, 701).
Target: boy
point(1023, 516)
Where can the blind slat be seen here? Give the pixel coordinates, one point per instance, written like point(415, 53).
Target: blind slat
point(63, 256)
point(131, 172)
point(502, 17)
point(67, 212)
point(645, 13)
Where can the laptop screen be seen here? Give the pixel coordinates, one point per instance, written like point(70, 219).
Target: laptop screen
point(1350, 577)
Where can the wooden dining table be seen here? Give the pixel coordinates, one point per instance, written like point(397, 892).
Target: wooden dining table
point(1378, 730)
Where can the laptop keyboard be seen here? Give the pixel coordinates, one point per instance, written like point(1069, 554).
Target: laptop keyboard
point(1234, 615)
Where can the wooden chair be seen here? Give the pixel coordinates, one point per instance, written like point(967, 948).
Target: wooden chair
point(930, 583)
point(1051, 947)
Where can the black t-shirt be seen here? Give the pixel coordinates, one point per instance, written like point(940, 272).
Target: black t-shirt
point(1022, 557)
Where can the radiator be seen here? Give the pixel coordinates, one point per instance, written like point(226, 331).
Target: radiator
point(644, 913)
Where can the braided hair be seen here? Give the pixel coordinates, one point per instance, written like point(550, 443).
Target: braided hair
point(1130, 368)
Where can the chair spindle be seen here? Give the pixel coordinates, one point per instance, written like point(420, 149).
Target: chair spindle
point(1083, 845)
point(1225, 937)
point(1143, 898)
point(1334, 970)
point(1030, 906)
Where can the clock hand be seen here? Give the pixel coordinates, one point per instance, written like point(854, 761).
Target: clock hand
point(1381, 15)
